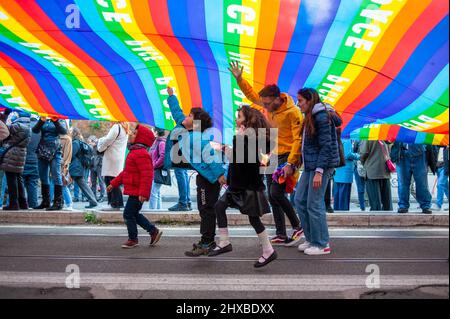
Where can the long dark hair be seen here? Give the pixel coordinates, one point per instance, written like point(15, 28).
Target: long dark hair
point(256, 120)
point(313, 98)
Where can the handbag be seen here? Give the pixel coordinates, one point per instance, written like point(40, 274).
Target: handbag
point(46, 152)
point(360, 169)
point(162, 176)
point(390, 166)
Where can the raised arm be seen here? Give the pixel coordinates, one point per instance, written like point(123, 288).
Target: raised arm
point(245, 87)
point(175, 108)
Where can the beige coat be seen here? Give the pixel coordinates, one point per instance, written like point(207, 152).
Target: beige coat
point(114, 144)
point(66, 144)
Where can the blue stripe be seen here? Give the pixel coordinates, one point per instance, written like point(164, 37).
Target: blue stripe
point(423, 59)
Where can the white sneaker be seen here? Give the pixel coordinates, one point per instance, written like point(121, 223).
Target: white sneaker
point(68, 208)
point(314, 251)
point(436, 208)
point(304, 246)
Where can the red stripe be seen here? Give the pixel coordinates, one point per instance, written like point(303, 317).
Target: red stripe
point(161, 20)
point(32, 84)
point(405, 48)
point(285, 30)
point(61, 40)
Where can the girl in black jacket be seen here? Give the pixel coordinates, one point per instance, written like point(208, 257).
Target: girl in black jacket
point(245, 183)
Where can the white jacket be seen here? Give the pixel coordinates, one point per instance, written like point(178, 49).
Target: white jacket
point(114, 145)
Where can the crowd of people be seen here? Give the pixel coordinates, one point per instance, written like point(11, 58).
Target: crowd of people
point(135, 160)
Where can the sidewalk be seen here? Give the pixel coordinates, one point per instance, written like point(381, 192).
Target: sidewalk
point(338, 219)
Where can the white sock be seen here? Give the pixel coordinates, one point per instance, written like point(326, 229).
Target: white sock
point(224, 238)
point(266, 245)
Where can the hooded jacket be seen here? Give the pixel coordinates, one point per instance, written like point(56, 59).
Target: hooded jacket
point(287, 119)
point(192, 147)
point(321, 151)
point(31, 163)
point(20, 132)
point(137, 176)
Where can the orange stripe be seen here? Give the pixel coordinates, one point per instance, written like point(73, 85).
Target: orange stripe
point(266, 38)
point(141, 11)
point(103, 90)
point(35, 104)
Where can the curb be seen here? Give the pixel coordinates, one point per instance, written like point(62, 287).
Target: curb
point(366, 220)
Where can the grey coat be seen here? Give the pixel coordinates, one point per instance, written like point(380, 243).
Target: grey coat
point(373, 159)
point(20, 133)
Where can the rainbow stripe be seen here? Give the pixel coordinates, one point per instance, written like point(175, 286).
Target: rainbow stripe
point(383, 64)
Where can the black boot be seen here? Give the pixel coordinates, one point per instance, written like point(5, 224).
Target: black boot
point(58, 202)
point(45, 197)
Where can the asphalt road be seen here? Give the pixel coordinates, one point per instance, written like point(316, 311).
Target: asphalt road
point(41, 261)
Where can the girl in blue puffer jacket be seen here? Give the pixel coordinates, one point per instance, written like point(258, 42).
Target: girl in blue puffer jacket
point(320, 154)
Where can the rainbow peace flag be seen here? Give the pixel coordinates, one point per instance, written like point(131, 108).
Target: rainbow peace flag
point(383, 64)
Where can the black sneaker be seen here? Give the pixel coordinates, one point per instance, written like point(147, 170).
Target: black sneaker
point(402, 210)
point(427, 211)
point(179, 208)
point(330, 210)
point(91, 206)
point(200, 249)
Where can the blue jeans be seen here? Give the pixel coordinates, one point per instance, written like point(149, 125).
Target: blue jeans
point(417, 167)
point(155, 197)
point(361, 187)
point(32, 185)
point(67, 197)
point(3, 185)
point(53, 167)
point(133, 217)
point(310, 205)
point(442, 187)
point(341, 195)
point(183, 186)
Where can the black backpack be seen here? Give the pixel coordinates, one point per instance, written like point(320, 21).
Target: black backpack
point(85, 154)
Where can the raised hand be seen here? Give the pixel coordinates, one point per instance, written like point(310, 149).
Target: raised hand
point(236, 70)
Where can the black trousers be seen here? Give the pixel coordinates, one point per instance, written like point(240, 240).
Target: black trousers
point(328, 195)
point(207, 197)
point(115, 198)
point(16, 189)
point(222, 221)
point(281, 205)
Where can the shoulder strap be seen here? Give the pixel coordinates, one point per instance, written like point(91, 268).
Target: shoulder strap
point(383, 150)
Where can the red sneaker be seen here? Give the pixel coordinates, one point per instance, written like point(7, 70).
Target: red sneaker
point(155, 237)
point(130, 244)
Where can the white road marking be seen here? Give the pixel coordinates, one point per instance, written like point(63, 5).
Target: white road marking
point(212, 282)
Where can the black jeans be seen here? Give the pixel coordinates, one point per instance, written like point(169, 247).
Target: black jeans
point(115, 198)
point(379, 192)
point(222, 221)
point(86, 191)
point(16, 189)
point(96, 174)
point(133, 217)
point(281, 205)
point(207, 197)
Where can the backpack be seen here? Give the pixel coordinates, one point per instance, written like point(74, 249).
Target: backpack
point(85, 154)
point(338, 130)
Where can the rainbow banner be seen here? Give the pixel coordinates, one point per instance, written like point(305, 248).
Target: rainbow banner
point(383, 64)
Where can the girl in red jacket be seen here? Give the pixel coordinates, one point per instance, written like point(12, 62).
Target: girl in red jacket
point(137, 178)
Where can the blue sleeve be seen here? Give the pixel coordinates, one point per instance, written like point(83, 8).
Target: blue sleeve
point(348, 151)
point(175, 108)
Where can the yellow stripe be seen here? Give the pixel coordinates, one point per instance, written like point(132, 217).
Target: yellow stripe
point(361, 56)
point(6, 80)
point(136, 33)
point(15, 27)
point(248, 42)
